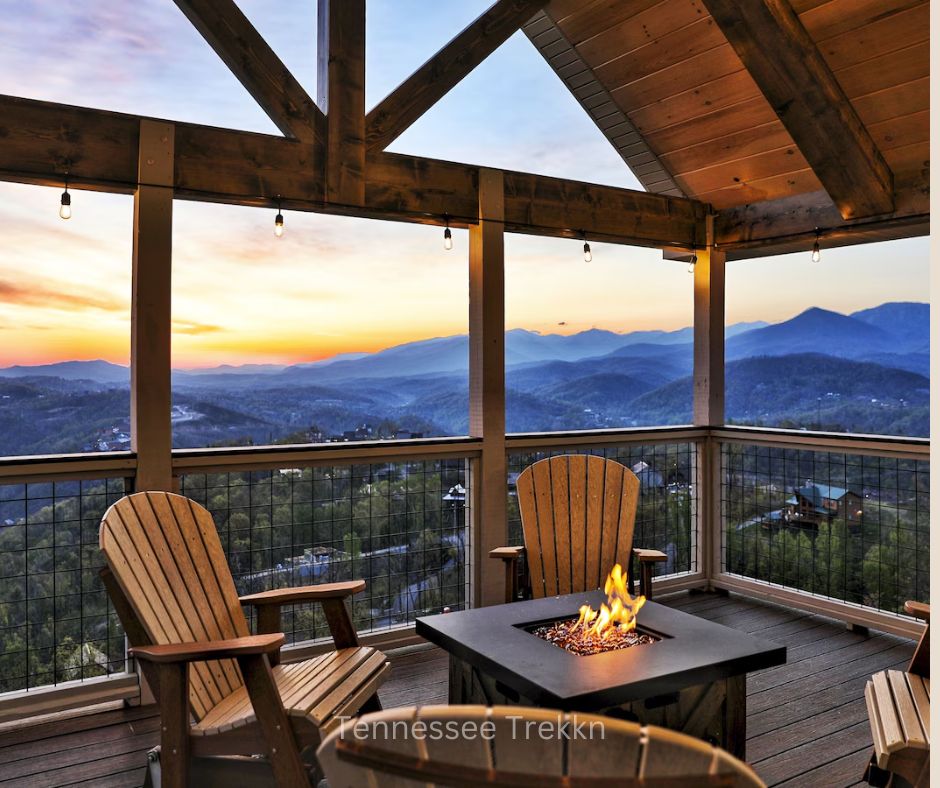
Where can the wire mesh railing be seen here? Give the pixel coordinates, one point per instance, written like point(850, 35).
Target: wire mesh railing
point(847, 526)
point(667, 512)
point(401, 526)
point(56, 621)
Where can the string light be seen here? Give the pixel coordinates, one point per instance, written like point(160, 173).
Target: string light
point(587, 250)
point(279, 221)
point(448, 237)
point(65, 203)
point(692, 261)
point(816, 254)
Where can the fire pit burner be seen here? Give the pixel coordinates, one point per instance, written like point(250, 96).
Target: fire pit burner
point(611, 628)
point(569, 635)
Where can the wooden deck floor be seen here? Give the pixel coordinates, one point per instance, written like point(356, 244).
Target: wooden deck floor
point(806, 724)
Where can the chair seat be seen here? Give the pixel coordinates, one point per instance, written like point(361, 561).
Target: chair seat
point(320, 689)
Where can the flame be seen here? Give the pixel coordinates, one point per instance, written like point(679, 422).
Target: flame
point(620, 610)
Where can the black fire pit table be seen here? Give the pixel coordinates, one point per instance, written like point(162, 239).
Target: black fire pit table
point(690, 679)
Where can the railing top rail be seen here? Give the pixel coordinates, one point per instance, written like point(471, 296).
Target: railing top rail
point(50, 467)
point(848, 443)
point(304, 455)
point(633, 435)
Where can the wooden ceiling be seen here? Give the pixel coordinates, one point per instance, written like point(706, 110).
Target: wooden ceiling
point(669, 68)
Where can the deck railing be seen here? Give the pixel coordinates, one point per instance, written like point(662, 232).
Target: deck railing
point(838, 524)
point(723, 505)
point(401, 526)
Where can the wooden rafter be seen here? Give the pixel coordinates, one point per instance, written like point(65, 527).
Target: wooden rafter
point(432, 81)
point(795, 79)
point(257, 67)
point(341, 91)
point(39, 140)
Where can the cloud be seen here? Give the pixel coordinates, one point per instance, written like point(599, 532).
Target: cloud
point(37, 295)
point(194, 329)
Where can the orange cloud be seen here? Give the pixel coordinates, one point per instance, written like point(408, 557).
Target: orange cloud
point(37, 295)
point(193, 328)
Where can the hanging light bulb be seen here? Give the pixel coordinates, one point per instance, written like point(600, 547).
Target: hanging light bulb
point(448, 237)
point(279, 221)
point(816, 254)
point(587, 249)
point(65, 203)
point(692, 261)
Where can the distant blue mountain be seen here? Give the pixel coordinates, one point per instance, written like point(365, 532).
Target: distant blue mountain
point(866, 372)
point(814, 331)
point(98, 371)
point(906, 321)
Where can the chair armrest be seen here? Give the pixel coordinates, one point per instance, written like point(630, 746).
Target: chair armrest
point(649, 556)
point(507, 553)
point(315, 593)
point(510, 557)
point(918, 610)
point(209, 649)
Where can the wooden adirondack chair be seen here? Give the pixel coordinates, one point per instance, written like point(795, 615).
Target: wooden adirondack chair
point(540, 748)
point(171, 586)
point(899, 712)
point(578, 514)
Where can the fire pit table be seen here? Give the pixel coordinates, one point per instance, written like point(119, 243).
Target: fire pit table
point(690, 678)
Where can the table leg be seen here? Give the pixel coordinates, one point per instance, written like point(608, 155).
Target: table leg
point(735, 725)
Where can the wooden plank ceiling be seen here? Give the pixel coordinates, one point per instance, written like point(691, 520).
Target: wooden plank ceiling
point(673, 74)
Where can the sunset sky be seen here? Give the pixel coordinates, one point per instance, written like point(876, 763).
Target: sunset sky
point(335, 284)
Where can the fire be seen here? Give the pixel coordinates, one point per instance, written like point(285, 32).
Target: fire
point(619, 614)
point(611, 628)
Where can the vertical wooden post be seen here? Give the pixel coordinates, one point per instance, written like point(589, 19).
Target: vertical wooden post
point(708, 405)
point(341, 94)
point(488, 386)
point(151, 435)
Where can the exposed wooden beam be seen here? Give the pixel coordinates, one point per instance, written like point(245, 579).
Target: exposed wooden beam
point(789, 224)
point(603, 213)
point(432, 81)
point(39, 141)
point(257, 67)
point(341, 92)
point(795, 79)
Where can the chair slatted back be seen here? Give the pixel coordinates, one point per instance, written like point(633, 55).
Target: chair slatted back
point(578, 513)
point(606, 751)
point(165, 554)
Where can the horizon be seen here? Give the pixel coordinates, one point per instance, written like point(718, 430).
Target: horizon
point(453, 336)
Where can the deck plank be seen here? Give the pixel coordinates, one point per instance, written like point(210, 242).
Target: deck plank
point(807, 722)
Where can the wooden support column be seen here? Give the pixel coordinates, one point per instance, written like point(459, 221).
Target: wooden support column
point(341, 94)
point(708, 403)
point(488, 387)
point(708, 407)
point(151, 435)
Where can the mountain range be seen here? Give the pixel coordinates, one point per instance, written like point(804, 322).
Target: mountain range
point(865, 371)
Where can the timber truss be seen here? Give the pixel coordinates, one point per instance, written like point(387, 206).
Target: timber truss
point(332, 159)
